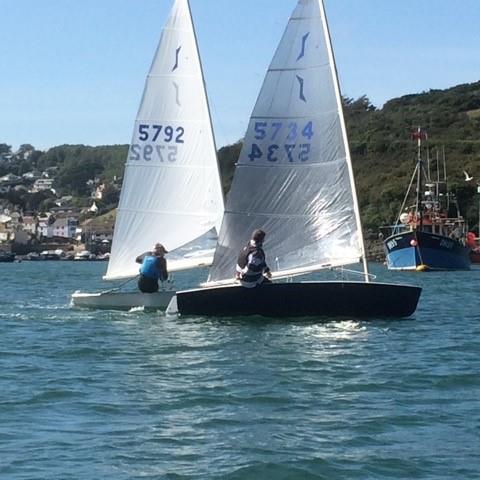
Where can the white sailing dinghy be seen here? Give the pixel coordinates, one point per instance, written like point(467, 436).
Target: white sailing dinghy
point(171, 191)
point(294, 179)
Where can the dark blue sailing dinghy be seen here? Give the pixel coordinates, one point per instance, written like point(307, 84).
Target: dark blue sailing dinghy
point(294, 179)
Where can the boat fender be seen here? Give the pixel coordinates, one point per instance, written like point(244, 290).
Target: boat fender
point(470, 240)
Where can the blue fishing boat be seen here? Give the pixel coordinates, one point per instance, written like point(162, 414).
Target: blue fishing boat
point(430, 233)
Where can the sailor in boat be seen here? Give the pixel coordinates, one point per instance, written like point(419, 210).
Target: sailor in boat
point(154, 268)
point(252, 269)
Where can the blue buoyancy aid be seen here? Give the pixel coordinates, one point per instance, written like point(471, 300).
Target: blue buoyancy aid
point(149, 267)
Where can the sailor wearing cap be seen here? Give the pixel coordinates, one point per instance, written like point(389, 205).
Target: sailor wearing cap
point(154, 268)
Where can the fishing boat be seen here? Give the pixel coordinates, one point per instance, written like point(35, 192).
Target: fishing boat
point(430, 233)
point(171, 191)
point(294, 179)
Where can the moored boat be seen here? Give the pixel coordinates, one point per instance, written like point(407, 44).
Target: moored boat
point(84, 255)
point(430, 233)
point(6, 257)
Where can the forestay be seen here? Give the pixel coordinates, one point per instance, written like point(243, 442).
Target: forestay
point(171, 190)
point(294, 176)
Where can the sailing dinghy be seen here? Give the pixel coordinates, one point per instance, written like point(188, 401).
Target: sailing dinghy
point(294, 179)
point(171, 191)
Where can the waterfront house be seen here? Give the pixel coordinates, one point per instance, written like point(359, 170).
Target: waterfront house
point(65, 227)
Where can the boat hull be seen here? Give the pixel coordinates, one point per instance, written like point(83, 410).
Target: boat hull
point(419, 251)
point(300, 299)
point(123, 300)
point(475, 256)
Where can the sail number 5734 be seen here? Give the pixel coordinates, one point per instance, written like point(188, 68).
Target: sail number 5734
point(287, 139)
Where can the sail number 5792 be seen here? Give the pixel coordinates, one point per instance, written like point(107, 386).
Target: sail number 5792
point(156, 142)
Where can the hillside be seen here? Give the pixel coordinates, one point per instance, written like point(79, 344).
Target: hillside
point(384, 155)
point(382, 152)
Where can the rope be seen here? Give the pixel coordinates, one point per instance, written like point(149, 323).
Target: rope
point(169, 281)
point(120, 286)
point(355, 272)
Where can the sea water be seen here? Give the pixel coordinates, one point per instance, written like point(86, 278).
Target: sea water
point(90, 394)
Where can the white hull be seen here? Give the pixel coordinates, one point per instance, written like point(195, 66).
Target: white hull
point(123, 300)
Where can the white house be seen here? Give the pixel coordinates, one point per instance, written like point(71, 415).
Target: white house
point(6, 230)
point(42, 184)
point(29, 225)
point(65, 227)
point(44, 228)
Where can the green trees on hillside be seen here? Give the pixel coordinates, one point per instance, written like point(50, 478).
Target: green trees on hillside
point(382, 152)
point(76, 164)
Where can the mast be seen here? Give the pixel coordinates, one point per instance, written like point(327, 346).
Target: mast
point(428, 163)
point(444, 164)
point(418, 211)
point(345, 138)
point(478, 191)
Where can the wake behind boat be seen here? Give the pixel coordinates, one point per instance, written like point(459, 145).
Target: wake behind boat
point(294, 179)
point(171, 191)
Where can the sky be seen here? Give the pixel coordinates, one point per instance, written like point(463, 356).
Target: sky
point(73, 71)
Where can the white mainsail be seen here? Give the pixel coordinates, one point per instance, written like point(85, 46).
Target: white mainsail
point(294, 177)
point(171, 190)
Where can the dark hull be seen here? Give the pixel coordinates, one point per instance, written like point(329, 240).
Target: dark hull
point(7, 258)
point(417, 250)
point(337, 299)
point(475, 256)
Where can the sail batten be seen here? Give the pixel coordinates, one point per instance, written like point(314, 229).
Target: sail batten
point(190, 213)
point(171, 191)
point(313, 165)
point(297, 69)
point(293, 177)
point(292, 117)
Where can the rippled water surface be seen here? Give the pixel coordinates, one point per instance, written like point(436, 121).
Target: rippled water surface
point(117, 395)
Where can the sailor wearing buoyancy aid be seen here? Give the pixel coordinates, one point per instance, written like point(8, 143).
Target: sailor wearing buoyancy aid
point(153, 268)
point(251, 269)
